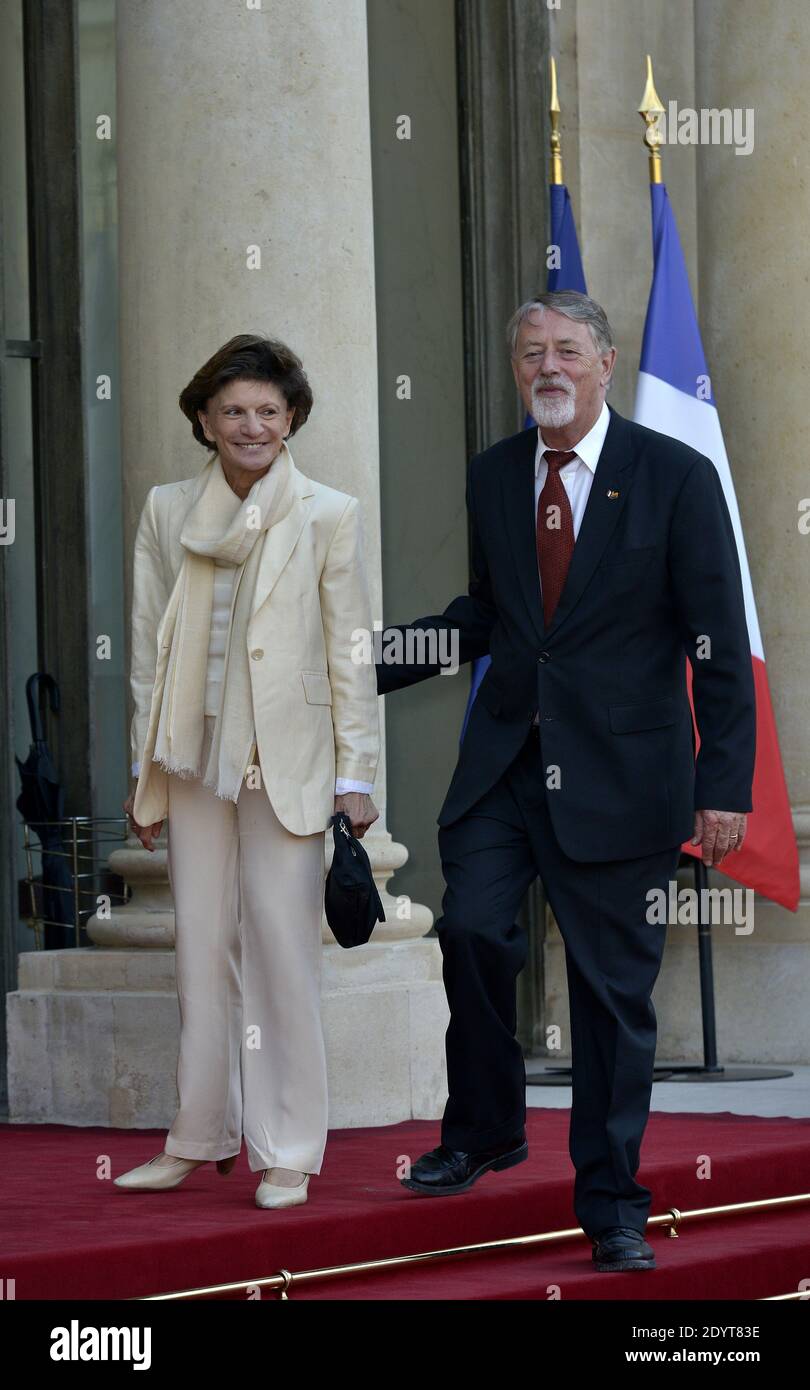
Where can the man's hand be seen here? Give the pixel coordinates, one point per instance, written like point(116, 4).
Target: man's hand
point(360, 809)
point(720, 832)
point(145, 833)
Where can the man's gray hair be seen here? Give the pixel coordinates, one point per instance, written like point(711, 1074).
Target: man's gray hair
point(574, 306)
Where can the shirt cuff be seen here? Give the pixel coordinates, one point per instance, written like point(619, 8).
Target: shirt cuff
point(136, 769)
point(345, 784)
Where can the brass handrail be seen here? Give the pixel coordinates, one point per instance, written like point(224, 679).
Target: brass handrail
point(284, 1280)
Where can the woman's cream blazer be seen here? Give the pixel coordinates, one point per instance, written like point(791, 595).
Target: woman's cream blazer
point(315, 709)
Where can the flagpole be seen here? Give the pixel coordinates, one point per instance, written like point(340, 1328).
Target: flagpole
point(567, 272)
point(671, 279)
point(556, 175)
point(650, 109)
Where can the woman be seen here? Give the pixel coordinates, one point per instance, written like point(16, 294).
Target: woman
point(252, 725)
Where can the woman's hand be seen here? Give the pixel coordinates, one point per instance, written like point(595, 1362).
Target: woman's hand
point(145, 833)
point(360, 809)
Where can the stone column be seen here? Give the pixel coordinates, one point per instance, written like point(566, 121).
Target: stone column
point(245, 204)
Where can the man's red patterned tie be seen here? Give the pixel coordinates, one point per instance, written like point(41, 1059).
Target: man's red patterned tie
point(555, 531)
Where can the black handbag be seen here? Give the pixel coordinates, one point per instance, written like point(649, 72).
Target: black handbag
point(351, 901)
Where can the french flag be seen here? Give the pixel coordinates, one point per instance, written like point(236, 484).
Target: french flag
point(565, 273)
point(674, 396)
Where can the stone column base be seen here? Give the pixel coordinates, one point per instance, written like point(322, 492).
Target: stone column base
point(93, 1036)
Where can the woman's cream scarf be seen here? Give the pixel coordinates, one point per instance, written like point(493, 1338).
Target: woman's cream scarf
point(217, 526)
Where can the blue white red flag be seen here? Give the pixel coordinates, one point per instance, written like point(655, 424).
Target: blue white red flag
point(674, 396)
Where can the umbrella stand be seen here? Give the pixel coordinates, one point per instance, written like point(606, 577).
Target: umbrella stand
point(71, 878)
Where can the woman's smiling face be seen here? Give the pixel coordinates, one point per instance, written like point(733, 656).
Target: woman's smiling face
point(247, 421)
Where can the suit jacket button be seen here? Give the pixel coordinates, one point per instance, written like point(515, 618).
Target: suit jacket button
point(257, 653)
point(543, 657)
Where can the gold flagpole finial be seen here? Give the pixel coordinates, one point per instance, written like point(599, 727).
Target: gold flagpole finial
point(554, 140)
point(650, 109)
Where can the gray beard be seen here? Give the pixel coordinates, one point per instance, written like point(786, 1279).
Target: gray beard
point(553, 413)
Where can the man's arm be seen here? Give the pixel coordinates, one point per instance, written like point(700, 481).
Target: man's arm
point(707, 586)
point(471, 616)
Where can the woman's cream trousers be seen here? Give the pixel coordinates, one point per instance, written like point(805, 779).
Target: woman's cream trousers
point(248, 897)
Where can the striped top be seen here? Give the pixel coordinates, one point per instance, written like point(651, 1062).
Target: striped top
point(220, 615)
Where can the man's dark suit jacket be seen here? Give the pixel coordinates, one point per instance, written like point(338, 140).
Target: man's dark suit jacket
point(654, 571)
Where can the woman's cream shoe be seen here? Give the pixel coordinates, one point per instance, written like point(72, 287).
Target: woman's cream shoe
point(160, 1177)
point(270, 1194)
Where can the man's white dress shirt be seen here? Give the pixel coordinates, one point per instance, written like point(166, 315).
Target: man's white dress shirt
point(577, 475)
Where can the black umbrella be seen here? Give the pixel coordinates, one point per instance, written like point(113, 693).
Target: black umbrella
point(42, 799)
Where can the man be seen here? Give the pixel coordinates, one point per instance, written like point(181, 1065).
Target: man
point(601, 553)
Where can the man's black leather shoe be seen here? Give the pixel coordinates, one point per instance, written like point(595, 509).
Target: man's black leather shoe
point(444, 1171)
point(621, 1247)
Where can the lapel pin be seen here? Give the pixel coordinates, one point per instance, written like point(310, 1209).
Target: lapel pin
point(612, 495)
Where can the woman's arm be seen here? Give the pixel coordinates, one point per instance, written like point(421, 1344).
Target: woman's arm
point(149, 599)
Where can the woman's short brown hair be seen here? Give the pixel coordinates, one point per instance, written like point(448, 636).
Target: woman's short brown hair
point(248, 357)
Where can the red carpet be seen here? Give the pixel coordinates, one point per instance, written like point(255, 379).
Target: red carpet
point(67, 1232)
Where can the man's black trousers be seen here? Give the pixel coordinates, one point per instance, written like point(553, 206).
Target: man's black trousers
point(490, 856)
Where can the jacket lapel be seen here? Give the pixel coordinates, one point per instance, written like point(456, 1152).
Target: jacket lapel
point(613, 473)
point(182, 501)
point(519, 509)
point(281, 539)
